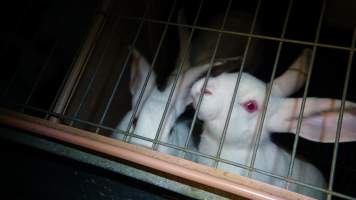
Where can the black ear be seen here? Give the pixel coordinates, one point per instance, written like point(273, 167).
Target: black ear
point(228, 65)
point(187, 116)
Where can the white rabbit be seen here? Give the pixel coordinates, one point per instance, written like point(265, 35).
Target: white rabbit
point(319, 123)
point(153, 101)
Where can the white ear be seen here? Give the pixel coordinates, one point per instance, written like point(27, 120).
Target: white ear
point(319, 121)
point(293, 79)
point(189, 78)
point(139, 71)
point(189, 73)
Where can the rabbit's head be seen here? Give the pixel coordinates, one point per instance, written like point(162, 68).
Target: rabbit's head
point(216, 103)
point(149, 106)
point(319, 120)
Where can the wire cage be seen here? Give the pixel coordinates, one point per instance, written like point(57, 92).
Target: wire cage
point(68, 76)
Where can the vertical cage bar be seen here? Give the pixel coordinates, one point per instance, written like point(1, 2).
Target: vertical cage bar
point(269, 91)
point(126, 138)
point(211, 63)
point(232, 102)
point(43, 69)
point(341, 114)
point(118, 80)
point(71, 81)
point(305, 93)
point(91, 81)
point(180, 68)
point(55, 99)
point(92, 78)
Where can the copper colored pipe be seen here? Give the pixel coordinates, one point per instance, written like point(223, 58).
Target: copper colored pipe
point(240, 186)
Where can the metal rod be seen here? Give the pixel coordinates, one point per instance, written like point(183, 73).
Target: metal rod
point(43, 69)
point(106, 163)
point(222, 140)
point(149, 73)
point(256, 36)
point(186, 51)
point(118, 81)
point(79, 64)
point(61, 116)
point(269, 90)
point(309, 73)
point(280, 177)
point(209, 71)
point(341, 114)
point(250, 35)
point(300, 116)
point(57, 115)
point(108, 42)
point(58, 94)
point(186, 170)
point(127, 60)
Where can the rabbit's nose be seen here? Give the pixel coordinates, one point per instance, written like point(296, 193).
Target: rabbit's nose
point(197, 89)
point(206, 92)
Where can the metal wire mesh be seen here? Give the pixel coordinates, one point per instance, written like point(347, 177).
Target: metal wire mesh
point(282, 40)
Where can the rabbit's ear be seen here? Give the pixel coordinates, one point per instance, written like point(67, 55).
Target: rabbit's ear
point(184, 46)
point(320, 119)
point(189, 78)
point(293, 79)
point(189, 74)
point(139, 71)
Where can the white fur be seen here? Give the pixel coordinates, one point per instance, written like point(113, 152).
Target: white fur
point(319, 121)
point(242, 131)
point(151, 108)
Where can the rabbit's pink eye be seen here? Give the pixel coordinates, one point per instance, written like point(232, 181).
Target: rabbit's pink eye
point(250, 106)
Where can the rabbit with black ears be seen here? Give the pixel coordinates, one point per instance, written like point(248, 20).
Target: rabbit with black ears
point(195, 61)
point(319, 123)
